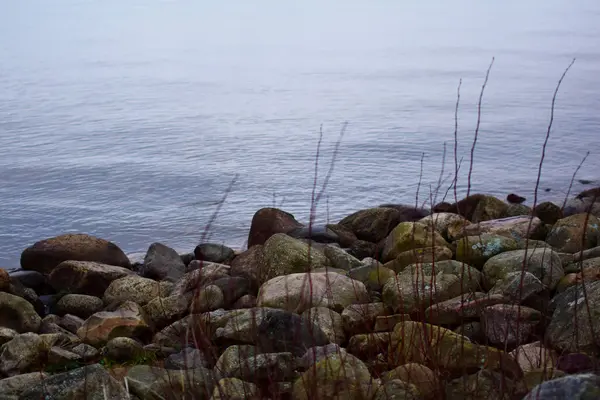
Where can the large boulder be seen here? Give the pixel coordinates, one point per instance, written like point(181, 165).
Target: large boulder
point(46, 254)
point(18, 314)
point(162, 263)
point(148, 382)
point(476, 250)
point(268, 221)
point(567, 235)
point(509, 325)
point(448, 224)
point(518, 228)
point(548, 212)
point(301, 291)
point(80, 305)
point(543, 263)
point(133, 288)
point(408, 236)
point(127, 320)
point(91, 382)
point(85, 277)
point(575, 322)
point(372, 224)
point(21, 354)
point(476, 208)
point(286, 255)
point(572, 387)
point(252, 265)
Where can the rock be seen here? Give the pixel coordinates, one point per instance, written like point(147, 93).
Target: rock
point(576, 363)
point(4, 280)
point(286, 255)
point(372, 224)
point(437, 347)
point(373, 276)
point(483, 385)
point(7, 334)
point(43, 256)
point(301, 291)
point(360, 318)
point(476, 250)
point(458, 309)
point(367, 346)
point(18, 314)
point(80, 305)
point(471, 330)
point(582, 206)
point(122, 349)
point(361, 249)
point(213, 252)
point(21, 354)
point(386, 323)
point(244, 362)
point(29, 295)
point(476, 208)
point(71, 323)
point(269, 221)
point(208, 298)
point(85, 277)
point(567, 234)
point(85, 351)
point(516, 210)
point(532, 356)
point(318, 353)
point(336, 375)
point(31, 279)
point(161, 311)
point(573, 387)
point(515, 199)
point(397, 389)
point(127, 320)
point(419, 256)
point(573, 328)
point(518, 228)
point(148, 382)
point(543, 263)
point(548, 212)
point(408, 236)
point(509, 325)
point(340, 259)
point(419, 375)
point(445, 223)
point(270, 329)
point(345, 236)
point(235, 389)
point(132, 288)
point(329, 321)
point(233, 287)
point(246, 301)
point(594, 252)
point(92, 380)
point(207, 274)
point(517, 286)
point(59, 357)
point(319, 234)
point(536, 376)
point(188, 358)
point(251, 265)
point(162, 263)
point(15, 385)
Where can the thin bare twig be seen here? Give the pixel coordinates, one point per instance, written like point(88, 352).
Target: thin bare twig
point(573, 180)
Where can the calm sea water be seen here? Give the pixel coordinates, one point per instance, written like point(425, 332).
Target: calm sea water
point(129, 119)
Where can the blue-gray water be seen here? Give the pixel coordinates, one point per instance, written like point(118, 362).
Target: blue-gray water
point(128, 119)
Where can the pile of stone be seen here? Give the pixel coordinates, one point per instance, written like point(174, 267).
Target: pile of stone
point(480, 299)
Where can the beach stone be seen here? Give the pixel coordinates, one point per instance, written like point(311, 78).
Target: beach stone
point(44, 255)
point(374, 276)
point(187, 358)
point(489, 208)
point(318, 353)
point(61, 357)
point(543, 263)
point(509, 325)
point(517, 286)
point(162, 263)
point(576, 363)
point(286, 255)
point(132, 288)
point(471, 330)
point(335, 375)
point(13, 386)
point(582, 205)
point(419, 375)
point(235, 389)
point(301, 291)
point(408, 236)
point(360, 318)
point(532, 356)
point(548, 212)
point(233, 287)
point(458, 309)
point(123, 349)
point(161, 311)
point(127, 321)
point(269, 221)
point(517, 210)
point(386, 323)
point(361, 249)
point(32, 279)
point(446, 223)
point(194, 280)
point(214, 252)
point(483, 385)
point(397, 389)
point(372, 224)
point(252, 265)
point(594, 252)
point(149, 382)
point(208, 298)
point(344, 234)
point(518, 228)
point(71, 323)
point(572, 387)
point(80, 305)
point(476, 250)
point(93, 380)
point(85, 277)
point(316, 233)
point(244, 363)
point(4, 280)
point(572, 329)
point(6, 334)
point(340, 259)
point(246, 301)
point(567, 234)
point(367, 346)
point(419, 256)
point(18, 314)
point(329, 321)
point(21, 354)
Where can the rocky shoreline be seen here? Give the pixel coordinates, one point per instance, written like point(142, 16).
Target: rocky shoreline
point(481, 299)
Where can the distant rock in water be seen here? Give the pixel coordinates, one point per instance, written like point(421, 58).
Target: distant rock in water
point(515, 199)
point(590, 193)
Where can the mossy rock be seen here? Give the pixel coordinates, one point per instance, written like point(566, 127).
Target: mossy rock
point(476, 250)
point(408, 236)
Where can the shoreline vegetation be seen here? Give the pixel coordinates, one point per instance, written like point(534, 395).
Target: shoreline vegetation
point(479, 298)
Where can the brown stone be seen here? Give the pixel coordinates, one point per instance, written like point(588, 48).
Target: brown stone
point(269, 221)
